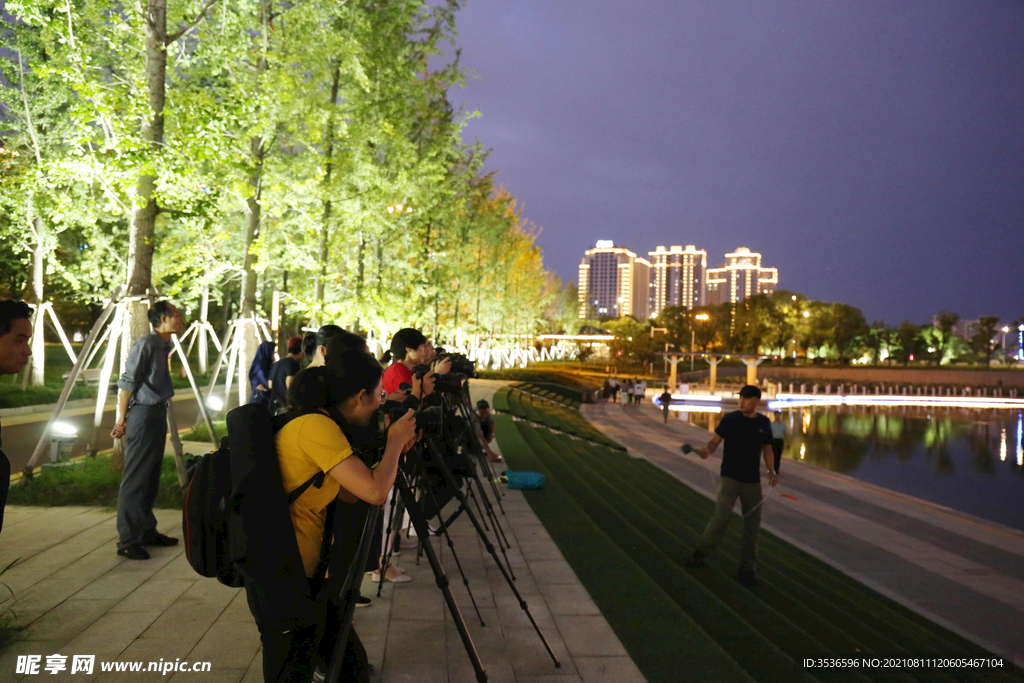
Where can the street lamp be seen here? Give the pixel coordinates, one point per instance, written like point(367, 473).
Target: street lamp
point(693, 334)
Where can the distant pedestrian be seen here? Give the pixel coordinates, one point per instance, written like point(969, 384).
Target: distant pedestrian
point(615, 389)
point(144, 392)
point(606, 390)
point(665, 400)
point(748, 437)
point(15, 333)
point(281, 375)
point(778, 438)
point(259, 374)
point(641, 394)
point(627, 392)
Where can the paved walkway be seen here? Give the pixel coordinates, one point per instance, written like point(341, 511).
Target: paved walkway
point(75, 596)
point(960, 571)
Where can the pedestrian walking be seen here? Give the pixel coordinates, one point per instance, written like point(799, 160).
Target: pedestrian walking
point(615, 389)
point(778, 438)
point(665, 400)
point(627, 392)
point(144, 392)
point(748, 437)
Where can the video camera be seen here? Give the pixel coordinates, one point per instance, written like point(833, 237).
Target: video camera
point(427, 419)
point(460, 364)
point(449, 383)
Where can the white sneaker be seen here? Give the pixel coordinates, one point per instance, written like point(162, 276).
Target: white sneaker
point(393, 574)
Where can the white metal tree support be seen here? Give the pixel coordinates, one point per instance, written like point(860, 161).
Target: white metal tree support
point(76, 369)
point(112, 334)
point(231, 348)
point(39, 317)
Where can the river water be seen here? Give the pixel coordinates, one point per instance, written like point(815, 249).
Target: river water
point(967, 459)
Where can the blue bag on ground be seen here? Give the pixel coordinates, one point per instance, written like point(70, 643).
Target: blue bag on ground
point(525, 480)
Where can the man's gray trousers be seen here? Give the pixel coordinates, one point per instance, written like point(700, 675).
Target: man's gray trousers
point(146, 435)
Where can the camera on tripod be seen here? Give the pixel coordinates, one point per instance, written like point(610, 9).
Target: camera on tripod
point(429, 420)
point(449, 383)
point(460, 364)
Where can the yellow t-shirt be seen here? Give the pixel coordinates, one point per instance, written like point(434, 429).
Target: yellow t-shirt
point(305, 446)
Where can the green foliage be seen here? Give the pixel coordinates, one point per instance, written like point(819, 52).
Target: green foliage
point(317, 153)
point(90, 482)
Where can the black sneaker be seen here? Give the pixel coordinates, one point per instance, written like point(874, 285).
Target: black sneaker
point(134, 552)
point(363, 602)
point(747, 577)
point(697, 561)
point(161, 540)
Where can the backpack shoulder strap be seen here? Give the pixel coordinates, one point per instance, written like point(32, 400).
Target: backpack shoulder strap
point(317, 479)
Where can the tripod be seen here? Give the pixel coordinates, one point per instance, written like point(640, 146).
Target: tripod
point(422, 532)
point(355, 573)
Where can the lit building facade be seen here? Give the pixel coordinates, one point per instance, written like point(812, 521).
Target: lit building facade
point(613, 282)
point(740, 277)
point(677, 277)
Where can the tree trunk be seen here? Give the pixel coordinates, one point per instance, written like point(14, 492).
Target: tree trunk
point(142, 231)
point(325, 228)
point(249, 340)
point(36, 376)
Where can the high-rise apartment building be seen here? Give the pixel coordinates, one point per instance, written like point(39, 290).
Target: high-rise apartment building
point(740, 277)
point(613, 281)
point(677, 277)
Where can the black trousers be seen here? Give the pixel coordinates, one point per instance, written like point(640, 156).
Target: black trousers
point(146, 436)
point(291, 656)
point(777, 446)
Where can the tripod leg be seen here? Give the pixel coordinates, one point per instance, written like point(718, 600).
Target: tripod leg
point(439, 576)
point(500, 535)
point(436, 456)
point(479, 511)
point(385, 547)
point(355, 570)
point(443, 527)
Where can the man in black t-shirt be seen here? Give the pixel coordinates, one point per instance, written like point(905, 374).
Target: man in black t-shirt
point(748, 439)
point(281, 375)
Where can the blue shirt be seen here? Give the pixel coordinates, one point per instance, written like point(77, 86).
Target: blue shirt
point(147, 371)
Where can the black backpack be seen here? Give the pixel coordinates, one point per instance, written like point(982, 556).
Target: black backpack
point(237, 526)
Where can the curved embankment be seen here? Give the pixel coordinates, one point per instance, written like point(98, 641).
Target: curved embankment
point(627, 527)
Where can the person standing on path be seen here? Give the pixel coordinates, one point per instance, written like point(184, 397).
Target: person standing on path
point(665, 400)
point(615, 389)
point(641, 391)
point(281, 375)
point(627, 392)
point(144, 392)
point(778, 438)
point(15, 333)
point(747, 435)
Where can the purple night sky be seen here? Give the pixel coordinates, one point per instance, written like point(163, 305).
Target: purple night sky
point(872, 151)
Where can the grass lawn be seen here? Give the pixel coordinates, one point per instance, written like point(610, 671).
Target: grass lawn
point(627, 527)
point(90, 482)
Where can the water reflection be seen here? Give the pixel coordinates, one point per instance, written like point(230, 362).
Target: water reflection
point(964, 458)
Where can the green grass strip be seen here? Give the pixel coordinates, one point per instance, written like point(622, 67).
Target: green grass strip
point(500, 399)
point(665, 643)
point(739, 627)
point(896, 623)
point(90, 482)
point(613, 484)
point(878, 621)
